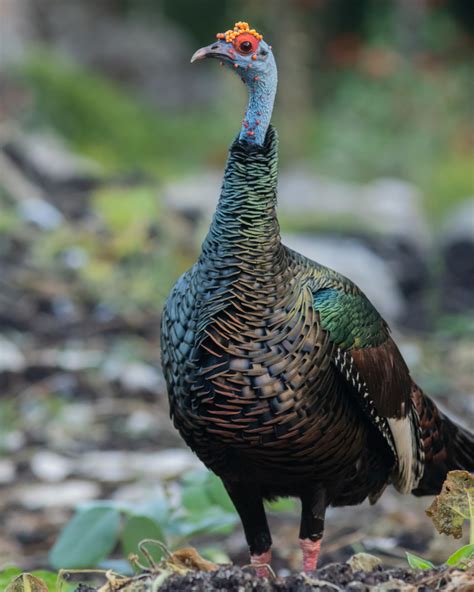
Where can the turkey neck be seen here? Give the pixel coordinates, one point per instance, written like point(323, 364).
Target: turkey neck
point(244, 233)
point(261, 91)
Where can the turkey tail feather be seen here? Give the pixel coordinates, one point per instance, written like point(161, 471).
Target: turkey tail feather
point(448, 446)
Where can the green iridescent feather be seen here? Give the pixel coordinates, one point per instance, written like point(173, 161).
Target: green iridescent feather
point(351, 320)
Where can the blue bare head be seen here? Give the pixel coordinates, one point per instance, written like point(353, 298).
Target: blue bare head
point(244, 50)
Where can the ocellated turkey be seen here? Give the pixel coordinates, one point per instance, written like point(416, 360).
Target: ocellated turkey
point(281, 375)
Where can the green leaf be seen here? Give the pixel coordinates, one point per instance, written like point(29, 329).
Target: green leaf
point(218, 494)
point(195, 498)
point(138, 528)
point(197, 477)
point(461, 555)
point(119, 505)
point(158, 509)
point(214, 520)
point(418, 562)
point(87, 539)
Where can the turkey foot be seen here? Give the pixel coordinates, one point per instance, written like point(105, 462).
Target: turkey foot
point(310, 554)
point(266, 557)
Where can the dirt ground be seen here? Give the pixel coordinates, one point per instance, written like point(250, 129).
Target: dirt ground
point(333, 577)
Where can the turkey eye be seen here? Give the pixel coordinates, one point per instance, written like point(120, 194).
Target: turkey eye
point(245, 46)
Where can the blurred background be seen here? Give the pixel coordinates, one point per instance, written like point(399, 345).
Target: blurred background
point(112, 149)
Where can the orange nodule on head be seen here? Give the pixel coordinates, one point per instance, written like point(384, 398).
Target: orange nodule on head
point(238, 29)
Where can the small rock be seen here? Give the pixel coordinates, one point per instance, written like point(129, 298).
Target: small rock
point(119, 465)
point(380, 543)
point(40, 212)
point(79, 359)
point(13, 440)
point(11, 358)
point(141, 422)
point(49, 466)
point(78, 415)
point(108, 465)
point(75, 257)
point(50, 157)
point(138, 376)
point(169, 463)
point(67, 494)
point(7, 471)
point(396, 208)
point(71, 359)
point(363, 562)
point(394, 584)
point(139, 492)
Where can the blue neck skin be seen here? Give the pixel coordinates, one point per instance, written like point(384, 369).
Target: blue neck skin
point(262, 90)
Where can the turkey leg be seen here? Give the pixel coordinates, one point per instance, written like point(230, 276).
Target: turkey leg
point(312, 526)
point(249, 504)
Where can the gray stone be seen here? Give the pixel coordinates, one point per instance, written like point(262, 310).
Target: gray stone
point(72, 358)
point(384, 206)
point(40, 212)
point(141, 422)
point(121, 466)
point(7, 471)
point(13, 441)
point(11, 357)
point(138, 376)
point(363, 562)
point(67, 494)
point(51, 158)
point(16, 30)
point(49, 466)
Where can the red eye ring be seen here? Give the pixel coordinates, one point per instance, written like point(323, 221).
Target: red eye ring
point(246, 43)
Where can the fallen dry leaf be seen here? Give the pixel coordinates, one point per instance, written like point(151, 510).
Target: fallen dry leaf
point(25, 582)
point(188, 558)
point(454, 504)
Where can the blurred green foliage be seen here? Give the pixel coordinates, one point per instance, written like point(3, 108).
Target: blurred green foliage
point(106, 123)
point(100, 526)
point(204, 507)
point(131, 255)
point(411, 124)
point(404, 125)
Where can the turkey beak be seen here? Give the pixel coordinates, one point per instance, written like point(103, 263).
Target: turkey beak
point(217, 50)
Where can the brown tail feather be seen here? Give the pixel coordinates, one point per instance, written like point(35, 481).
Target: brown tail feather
point(447, 445)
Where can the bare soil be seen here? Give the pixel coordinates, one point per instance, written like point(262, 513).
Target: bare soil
point(333, 577)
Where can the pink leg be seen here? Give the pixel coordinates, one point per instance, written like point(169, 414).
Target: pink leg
point(265, 557)
point(310, 554)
